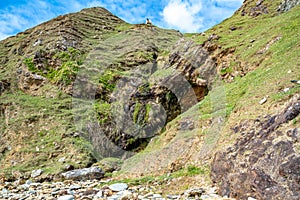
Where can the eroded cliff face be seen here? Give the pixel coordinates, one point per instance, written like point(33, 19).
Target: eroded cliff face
point(264, 161)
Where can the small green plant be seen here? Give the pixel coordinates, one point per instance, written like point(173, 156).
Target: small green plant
point(106, 80)
point(136, 112)
point(193, 170)
point(103, 110)
point(29, 63)
point(148, 109)
point(66, 74)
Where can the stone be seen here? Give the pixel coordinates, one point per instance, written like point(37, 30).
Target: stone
point(99, 194)
point(295, 81)
point(156, 196)
point(37, 77)
point(195, 192)
point(126, 195)
point(69, 167)
point(213, 37)
point(75, 187)
point(38, 42)
point(62, 160)
point(66, 197)
point(262, 101)
point(117, 187)
point(169, 196)
point(148, 195)
point(286, 5)
point(113, 197)
point(84, 174)
point(109, 164)
point(36, 173)
point(232, 28)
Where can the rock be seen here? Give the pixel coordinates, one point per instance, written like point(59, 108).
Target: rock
point(38, 77)
point(201, 82)
point(126, 195)
point(36, 173)
point(69, 167)
point(262, 101)
point(286, 5)
point(246, 168)
point(107, 192)
point(186, 124)
point(99, 194)
point(38, 42)
point(156, 196)
point(109, 164)
point(66, 197)
point(113, 197)
point(117, 187)
point(62, 160)
point(148, 195)
point(169, 196)
point(75, 187)
point(250, 198)
point(84, 174)
point(295, 81)
point(196, 192)
point(232, 28)
point(213, 37)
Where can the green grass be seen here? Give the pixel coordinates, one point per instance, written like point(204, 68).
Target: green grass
point(189, 171)
point(71, 59)
point(103, 110)
point(108, 78)
point(136, 112)
point(29, 63)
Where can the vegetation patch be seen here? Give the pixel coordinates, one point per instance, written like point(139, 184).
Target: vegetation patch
point(103, 110)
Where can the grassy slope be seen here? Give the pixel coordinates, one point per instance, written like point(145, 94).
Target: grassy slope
point(269, 72)
point(267, 75)
point(38, 128)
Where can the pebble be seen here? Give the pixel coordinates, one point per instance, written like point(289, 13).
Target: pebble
point(262, 101)
point(36, 173)
point(89, 190)
point(117, 187)
point(66, 197)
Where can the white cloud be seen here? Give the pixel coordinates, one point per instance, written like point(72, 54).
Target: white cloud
point(183, 15)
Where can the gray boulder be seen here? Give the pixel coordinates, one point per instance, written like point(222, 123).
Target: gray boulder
point(84, 174)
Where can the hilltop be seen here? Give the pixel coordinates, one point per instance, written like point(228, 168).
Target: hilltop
point(154, 106)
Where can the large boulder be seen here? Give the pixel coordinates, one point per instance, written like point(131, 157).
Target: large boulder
point(84, 174)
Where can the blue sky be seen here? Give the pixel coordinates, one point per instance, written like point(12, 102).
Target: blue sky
point(184, 15)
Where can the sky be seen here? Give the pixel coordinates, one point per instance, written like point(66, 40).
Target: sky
point(183, 15)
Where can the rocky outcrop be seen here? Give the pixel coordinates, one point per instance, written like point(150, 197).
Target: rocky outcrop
point(259, 8)
point(286, 5)
point(264, 162)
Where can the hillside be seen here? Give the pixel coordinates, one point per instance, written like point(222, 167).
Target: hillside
point(155, 106)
